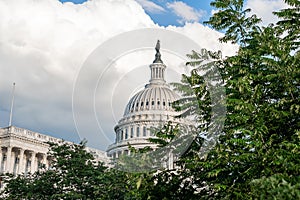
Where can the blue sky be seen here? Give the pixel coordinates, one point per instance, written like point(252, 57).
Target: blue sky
point(166, 12)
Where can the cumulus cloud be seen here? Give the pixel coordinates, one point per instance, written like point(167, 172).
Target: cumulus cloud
point(43, 45)
point(205, 37)
point(151, 6)
point(264, 9)
point(185, 12)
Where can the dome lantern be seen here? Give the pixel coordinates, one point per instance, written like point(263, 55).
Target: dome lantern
point(157, 68)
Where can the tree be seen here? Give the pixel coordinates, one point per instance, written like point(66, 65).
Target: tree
point(258, 155)
point(73, 175)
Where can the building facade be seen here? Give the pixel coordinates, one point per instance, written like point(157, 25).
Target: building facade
point(24, 151)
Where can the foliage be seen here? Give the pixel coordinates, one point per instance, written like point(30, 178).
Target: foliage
point(73, 175)
point(261, 141)
point(275, 187)
point(232, 18)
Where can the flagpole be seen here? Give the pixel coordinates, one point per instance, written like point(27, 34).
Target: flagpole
point(12, 104)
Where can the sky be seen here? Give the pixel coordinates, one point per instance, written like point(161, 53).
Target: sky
point(166, 12)
point(73, 75)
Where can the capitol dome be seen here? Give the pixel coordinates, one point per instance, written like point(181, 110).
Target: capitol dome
point(152, 98)
point(151, 107)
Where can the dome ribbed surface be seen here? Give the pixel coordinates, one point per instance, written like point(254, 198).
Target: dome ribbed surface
point(151, 98)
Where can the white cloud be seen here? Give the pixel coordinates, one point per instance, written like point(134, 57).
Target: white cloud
point(151, 6)
point(185, 12)
point(264, 9)
point(205, 37)
point(43, 45)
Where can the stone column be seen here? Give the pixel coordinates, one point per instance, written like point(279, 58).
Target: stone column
point(1, 159)
point(26, 162)
point(13, 160)
point(21, 162)
point(171, 160)
point(48, 158)
point(44, 160)
point(8, 160)
point(33, 165)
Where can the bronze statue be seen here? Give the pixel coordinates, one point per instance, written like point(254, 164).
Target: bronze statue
point(157, 46)
point(157, 55)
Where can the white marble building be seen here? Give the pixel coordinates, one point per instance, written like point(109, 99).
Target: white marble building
point(24, 151)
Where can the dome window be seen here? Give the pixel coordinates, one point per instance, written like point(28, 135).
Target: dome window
point(164, 103)
point(144, 131)
point(152, 103)
point(137, 131)
point(126, 134)
point(142, 103)
point(158, 102)
point(147, 103)
point(120, 136)
point(131, 132)
point(117, 137)
point(126, 152)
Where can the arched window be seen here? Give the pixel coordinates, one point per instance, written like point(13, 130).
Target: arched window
point(131, 132)
point(138, 131)
point(117, 137)
point(144, 131)
point(126, 134)
point(126, 152)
